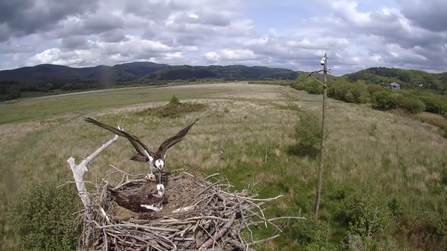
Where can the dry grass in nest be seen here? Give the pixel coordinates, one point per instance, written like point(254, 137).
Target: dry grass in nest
point(200, 213)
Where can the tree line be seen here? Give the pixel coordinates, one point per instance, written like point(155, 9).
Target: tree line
point(414, 100)
point(14, 89)
point(406, 78)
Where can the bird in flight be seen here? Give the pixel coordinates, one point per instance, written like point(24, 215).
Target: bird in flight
point(155, 160)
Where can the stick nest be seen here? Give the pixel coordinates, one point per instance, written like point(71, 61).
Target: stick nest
point(199, 213)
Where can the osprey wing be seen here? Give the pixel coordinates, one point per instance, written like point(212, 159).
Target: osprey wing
point(173, 140)
point(134, 140)
point(139, 157)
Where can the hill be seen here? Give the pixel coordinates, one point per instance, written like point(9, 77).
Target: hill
point(45, 79)
point(49, 73)
point(406, 78)
point(230, 72)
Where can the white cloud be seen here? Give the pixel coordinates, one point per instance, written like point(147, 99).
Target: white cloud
point(237, 54)
point(191, 48)
point(292, 34)
point(212, 56)
point(347, 10)
point(47, 56)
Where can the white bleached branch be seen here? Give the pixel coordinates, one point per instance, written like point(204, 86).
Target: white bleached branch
point(80, 170)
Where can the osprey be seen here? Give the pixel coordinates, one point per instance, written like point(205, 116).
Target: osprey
point(138, 202)
point(155, 160)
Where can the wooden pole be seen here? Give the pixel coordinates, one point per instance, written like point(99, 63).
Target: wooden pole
point(323, 135)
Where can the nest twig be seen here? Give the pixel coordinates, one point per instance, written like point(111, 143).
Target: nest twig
point(200, 213)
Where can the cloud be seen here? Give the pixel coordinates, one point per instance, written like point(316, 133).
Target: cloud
point(4, 32)
point(355, 34)
point(88, 53)
point(102, 23)
point(428, 15)
point(95, 24)
point(152, 10)
point(27, 17)
point(228, 54)
point(9, 10)
point(385, 36)
point(75, 42)
point(113, 36)
point(212, 56)
point(212, 18)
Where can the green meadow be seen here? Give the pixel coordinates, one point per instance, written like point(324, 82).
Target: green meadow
point(385, 177)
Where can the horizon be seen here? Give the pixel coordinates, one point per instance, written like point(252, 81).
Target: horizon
point(216, 65)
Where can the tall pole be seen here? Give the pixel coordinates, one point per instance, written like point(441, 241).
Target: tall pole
point(323, 136)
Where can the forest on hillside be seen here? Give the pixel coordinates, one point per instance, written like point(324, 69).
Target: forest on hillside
point(228, 73)
point(51, 79)
point(406, 78)
point(414, 80)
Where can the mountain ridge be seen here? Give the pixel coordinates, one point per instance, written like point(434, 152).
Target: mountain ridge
point(141, 71)
point(47, 78)
point(101, 73)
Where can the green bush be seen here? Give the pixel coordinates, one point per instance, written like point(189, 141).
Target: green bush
point(174, 101)
point(43, 217)
point(173, 109)
point(373, 88)
point(307, 134)
point(307, 84)
point(314, 88)
point(367, 217)
point(396, 208)
point(441, 227)
point(341, 191)
point(311, 234)
point(349, 92)
point(385, 100)
point(349, 97)
point(412, 105)
point(435, 104)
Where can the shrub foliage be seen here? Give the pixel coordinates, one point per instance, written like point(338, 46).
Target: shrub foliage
point(385, 100)
point(307, 134)
point(413, 100)
point(307, 84)
point(173, 109)
point(347, 91)
point(43, 217)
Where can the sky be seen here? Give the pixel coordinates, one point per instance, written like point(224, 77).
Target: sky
point(292, 34)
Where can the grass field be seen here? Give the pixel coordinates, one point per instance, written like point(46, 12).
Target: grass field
point(373, 158)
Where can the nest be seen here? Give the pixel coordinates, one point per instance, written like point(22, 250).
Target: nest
point(199, 213)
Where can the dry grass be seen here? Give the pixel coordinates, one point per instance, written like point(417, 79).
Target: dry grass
point(253, 125)
point(403, 155)
point(432, 119)
point(31, 149)
point(34, 147)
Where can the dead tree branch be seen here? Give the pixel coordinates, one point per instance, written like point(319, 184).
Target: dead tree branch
point(80, 170)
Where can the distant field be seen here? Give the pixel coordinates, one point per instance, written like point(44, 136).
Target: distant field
point(370, 154)
point(84, 102)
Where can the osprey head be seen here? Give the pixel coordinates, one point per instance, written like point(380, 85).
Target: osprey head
point(159, 164)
